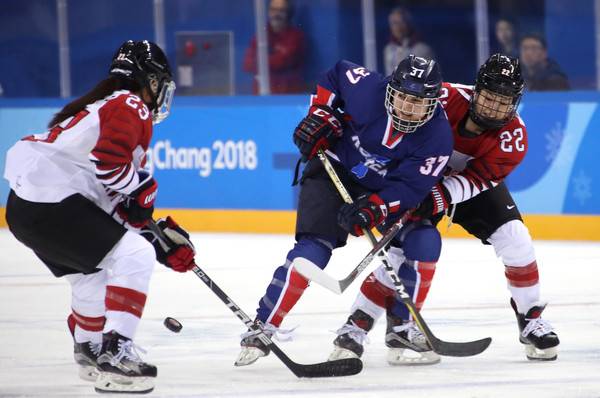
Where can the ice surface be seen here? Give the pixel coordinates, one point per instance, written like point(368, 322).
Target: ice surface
point(468, 300)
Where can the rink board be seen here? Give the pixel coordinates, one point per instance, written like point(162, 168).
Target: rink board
point(551, 227)
point(226, 163)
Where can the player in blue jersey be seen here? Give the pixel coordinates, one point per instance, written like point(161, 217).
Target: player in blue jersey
point(389, 140)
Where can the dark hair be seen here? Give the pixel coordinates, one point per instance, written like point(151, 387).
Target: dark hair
point(535, 36)
point(412, 33)
point(102, 90)
point(289, 10)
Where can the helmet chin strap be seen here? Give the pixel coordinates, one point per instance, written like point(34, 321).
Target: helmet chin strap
point(486, 123)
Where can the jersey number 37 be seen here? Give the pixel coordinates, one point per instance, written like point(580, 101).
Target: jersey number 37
point(434, 165)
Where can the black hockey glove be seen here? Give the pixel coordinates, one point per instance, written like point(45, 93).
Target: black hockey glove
point(177, 254)
point(436, 202)
point(366, 212)
point(138, 207)
point(320, 129)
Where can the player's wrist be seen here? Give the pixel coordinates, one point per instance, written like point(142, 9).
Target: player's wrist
point(440, 198)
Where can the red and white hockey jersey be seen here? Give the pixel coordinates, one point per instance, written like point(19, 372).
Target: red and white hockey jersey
point(96, 153)
point(482, 162)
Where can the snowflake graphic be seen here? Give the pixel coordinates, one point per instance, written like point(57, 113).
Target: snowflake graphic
point(582, 187)
point(553, 141)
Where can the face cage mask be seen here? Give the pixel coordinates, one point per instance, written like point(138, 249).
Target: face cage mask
point(407, 125)
point(163, 102)
point(488, 122)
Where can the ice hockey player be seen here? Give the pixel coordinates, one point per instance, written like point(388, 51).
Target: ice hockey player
point(79, 195)
point(490, 140)
point(389, 140)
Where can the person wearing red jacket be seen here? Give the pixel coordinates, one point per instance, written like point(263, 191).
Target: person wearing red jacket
point(286, 52)
point(80, 198)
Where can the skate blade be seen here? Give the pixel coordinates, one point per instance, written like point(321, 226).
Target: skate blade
point(113, 383)
point(248, 356)
point(406, 357)
point(341, 353)
point(537, 354)
point(88, 373)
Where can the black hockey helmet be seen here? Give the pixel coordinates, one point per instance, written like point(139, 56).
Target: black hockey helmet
point(413, 92)
point(500, 77)
point(144, 63)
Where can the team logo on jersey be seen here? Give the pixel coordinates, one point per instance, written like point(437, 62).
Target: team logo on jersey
point(377, 163)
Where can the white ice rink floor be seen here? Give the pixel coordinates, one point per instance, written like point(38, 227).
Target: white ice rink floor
point(468, 301)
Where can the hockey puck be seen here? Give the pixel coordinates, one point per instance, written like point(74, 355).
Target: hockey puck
point(173, 324)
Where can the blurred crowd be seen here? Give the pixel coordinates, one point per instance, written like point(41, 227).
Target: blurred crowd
point(287, 50)
point(540, 72)
point(303, 36)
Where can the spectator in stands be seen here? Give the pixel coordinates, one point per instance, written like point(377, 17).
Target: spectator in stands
point(404, 40)
point(286, 52)
point(506, 36)
point(540, 72)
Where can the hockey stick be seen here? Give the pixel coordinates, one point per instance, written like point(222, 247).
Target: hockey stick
point(439, 346)
point(309, 270)
point(341, 367)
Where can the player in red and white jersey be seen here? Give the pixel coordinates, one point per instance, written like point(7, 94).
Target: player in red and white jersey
point(490, 140)
point(80, 199)
point(481, 159)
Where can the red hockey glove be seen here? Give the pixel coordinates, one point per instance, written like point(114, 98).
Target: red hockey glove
point(179, 252)
point(138, 207)
point(320, 129)
point(366, 212)
point(436, 202)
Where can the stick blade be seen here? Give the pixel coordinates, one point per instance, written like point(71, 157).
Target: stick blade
point(337, 368)
point(312, 272)
point(465, 349)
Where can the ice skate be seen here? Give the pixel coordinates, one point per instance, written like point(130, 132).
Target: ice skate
point(536, 334)
point(121, 369)
point(407, 344)
point(252, 347)
point(85, 354)
point(351, 336)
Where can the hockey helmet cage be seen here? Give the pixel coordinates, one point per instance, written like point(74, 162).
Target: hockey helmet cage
point(412, 93)
point(498, 90)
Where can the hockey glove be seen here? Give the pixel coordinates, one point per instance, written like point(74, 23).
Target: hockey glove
point(366, 212)
point(138, 207)
point(179, 252)
point(436, 202)
point(320, 129)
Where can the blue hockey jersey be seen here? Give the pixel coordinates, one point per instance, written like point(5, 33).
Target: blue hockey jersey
point(400, 168)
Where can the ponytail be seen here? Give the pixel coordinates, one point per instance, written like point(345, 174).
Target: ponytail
point(102, 90)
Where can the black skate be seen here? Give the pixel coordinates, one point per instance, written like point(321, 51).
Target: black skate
point(407, 344)
point(85, 354)
point(536, 334)
point(252, 347)
point(349, 343)
point(121, 369)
